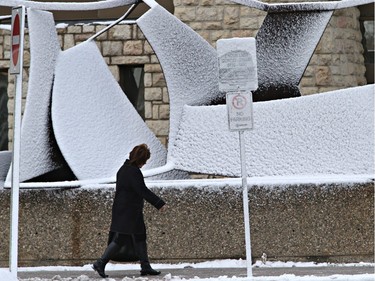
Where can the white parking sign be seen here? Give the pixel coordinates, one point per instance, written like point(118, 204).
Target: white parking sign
point(240, 111)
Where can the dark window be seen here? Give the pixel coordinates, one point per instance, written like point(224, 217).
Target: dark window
point(3, 110)
point(131, 82)
point(367, 28)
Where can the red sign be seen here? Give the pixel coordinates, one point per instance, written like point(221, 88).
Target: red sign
point(16, 48)
point(16, 40)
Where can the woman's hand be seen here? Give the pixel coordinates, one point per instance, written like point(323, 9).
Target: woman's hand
point(162, 209)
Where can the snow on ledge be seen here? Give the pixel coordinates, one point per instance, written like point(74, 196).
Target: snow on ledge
point(252, 181)
point(211, 183)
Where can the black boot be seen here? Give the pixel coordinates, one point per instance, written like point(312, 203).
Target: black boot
point(146, 269)
point(100, 264)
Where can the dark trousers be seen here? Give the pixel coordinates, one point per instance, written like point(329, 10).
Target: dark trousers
point(118, 240)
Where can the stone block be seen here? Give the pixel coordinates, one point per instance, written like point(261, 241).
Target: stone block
point(244, 33)
point(103, 36)
point(152, 94)
point(82, 37)
point(115, 72)
point(208, 2)
point(147, 80)
point(133, 47)
point(159, 127)
point(185, 14)
point(190, 2)
point(164, 111)
point(211, 25)
point(75, 29)
point(121, 32)
point(323, 76)
point(152, 67)
point(130, 60)
point(155, 112)
point(158, 80)
point(68, 41)
point(148, 110)
point(209, 13)
point(147, 49)
point(112, 48)
point(7, 42)
point(231, 15)
point(7, 55)
point(88, 28)
point(165, 95)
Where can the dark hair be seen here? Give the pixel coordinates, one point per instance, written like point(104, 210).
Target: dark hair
point(139, 155)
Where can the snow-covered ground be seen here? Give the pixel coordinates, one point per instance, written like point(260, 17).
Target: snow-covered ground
point(6, 276)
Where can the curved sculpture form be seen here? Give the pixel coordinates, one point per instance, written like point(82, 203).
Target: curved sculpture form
point(190, 68)
point(330, 133)
point(287, 40)
point(189, 63)
point(68, 6)
point(40, 154)
point(94, 123)
point(285, 43)
point(303, 6)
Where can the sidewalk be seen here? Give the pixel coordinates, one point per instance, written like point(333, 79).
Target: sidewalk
point(190, 273)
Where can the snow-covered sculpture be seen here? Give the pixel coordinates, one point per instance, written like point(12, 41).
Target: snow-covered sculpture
point(78, 123)
point(38, 146)
point(328, 133)
point(189, 63)
point(285, 41)
point(94, 123)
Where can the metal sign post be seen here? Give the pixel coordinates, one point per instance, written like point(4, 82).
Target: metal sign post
point(240, 118)
point(16, 65)
point(238, 77)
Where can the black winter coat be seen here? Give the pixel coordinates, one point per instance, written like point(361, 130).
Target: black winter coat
point(127, 209)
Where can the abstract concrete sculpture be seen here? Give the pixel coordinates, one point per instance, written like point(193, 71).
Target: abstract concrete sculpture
point(189, 63)
point(80, 127)
point(94, 141)
point(95, 125)
point(287, 40)
point(324, 134)
point(40, 155)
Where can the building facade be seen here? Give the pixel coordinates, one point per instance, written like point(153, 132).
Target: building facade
point(342, 59)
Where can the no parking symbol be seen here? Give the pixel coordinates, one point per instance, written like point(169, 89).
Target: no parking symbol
point(240, 111)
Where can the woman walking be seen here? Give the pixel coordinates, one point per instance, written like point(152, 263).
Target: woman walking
point(127, 211)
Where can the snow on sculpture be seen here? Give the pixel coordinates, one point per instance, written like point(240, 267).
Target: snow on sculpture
point(285, 43)
point(189, 63)
point(287, 40)
point(330, 133)
point(38, 146)
point(67, 6)
point(95, 125)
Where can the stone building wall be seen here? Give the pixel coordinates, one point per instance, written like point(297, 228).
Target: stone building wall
point(337, 62)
